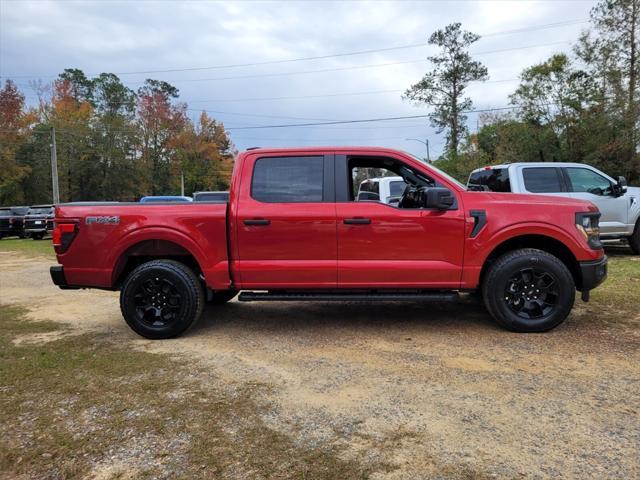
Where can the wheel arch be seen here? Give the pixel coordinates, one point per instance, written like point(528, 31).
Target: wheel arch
point(538, 241)
point(152, 244)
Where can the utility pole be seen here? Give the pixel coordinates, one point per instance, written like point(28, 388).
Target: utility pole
point(182, 183)
point(54, 168)
point(425, 143)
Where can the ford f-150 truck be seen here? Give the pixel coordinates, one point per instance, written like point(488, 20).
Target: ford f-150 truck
point(293, 229)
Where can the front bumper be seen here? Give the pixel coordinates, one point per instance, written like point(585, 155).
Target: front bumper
point(593, 273)
point(57, 275)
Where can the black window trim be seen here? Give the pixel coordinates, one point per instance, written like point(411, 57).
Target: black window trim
point(328, 184)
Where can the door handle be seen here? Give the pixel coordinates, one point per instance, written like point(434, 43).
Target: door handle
point(257, 221)
point(357, 221)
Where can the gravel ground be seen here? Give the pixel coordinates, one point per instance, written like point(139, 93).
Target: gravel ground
point(437, 391)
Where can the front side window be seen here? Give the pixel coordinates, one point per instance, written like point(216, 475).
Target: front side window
point(542, 179)
point(585, 180)
point(288, 179)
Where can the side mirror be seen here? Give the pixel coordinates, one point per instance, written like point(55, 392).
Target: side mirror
point(622, 185)
point(438, 198)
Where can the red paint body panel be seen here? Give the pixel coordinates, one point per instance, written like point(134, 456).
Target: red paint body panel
point(307, 245)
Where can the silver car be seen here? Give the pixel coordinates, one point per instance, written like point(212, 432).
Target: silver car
point(619, 204)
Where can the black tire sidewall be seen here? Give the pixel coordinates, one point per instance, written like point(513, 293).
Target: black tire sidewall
point(634, 239)
point(505, 268)
point(185, 283)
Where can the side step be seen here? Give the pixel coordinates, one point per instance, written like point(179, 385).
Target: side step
point(347, 296)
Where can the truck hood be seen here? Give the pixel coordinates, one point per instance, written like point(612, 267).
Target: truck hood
point(528, 199)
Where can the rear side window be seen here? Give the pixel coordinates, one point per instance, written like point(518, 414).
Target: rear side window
point(288, 179)
point(495, 180)
point(542, 180)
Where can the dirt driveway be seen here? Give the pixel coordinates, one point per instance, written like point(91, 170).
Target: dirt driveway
point(423, 387)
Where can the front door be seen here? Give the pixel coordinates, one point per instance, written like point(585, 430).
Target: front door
point(387, 246)
point(286, 223)
point(587, 184)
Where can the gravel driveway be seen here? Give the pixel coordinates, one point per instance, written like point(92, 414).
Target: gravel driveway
point(427, 388)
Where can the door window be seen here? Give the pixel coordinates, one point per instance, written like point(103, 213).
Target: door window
point(542, 179)
point(288, 179)
point(585, 180)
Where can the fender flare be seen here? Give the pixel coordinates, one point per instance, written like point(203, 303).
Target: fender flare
point(155, 233)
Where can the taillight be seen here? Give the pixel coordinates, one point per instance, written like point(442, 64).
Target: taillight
point(62, 236)
point(11, 220)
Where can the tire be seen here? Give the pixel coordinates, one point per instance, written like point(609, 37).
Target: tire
point(161, 299)
point(634, 239)
point(37, 236)
point(520, 306)
point(221, 297)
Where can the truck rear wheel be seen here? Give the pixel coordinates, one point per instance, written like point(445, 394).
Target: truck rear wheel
point(161, 299)
point(528, 290)
point(634, 239)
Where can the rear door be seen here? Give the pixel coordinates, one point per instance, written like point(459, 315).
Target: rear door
point(286, 222)
point(587, 184)
point(545, 180)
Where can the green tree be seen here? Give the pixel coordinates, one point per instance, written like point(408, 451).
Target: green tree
point(443, 88)
point(14, 133)
point(610, 53)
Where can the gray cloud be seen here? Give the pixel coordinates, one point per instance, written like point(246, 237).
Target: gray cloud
point(40, 38)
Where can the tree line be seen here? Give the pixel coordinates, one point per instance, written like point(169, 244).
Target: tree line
point(112, 143)
point(578, 107)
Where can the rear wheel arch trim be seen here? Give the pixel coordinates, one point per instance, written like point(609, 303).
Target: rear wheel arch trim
point(149, 234)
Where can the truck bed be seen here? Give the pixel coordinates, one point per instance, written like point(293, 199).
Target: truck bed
point(110, 235)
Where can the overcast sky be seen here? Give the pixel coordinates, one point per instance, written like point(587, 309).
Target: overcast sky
point(38, 39)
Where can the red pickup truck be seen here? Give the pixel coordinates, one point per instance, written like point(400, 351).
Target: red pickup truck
point(293, 229)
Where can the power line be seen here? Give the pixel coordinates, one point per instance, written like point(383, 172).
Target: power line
point(323, 57)
point(366, 120)
point(352, 67)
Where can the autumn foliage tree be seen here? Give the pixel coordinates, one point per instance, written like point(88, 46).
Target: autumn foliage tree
point(112, 143)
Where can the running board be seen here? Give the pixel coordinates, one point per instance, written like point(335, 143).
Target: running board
point(347, 297)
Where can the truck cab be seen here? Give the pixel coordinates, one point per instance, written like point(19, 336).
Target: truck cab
point(295, 229)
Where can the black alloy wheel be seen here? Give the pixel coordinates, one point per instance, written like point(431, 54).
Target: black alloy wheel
point(532, 293)
point(161, 299)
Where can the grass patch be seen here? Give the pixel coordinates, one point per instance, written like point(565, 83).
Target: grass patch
point(27, 246)
point(82, 404)
point(617, 300)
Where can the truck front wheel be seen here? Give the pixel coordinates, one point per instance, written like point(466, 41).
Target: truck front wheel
point(161, 299)
point(528, 290)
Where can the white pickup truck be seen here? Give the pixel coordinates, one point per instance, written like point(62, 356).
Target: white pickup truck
point(618, 204)
point(383, 189)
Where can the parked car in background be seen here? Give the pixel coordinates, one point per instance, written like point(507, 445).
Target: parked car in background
point(12, 221)
point(294, 230)
point(38, 221)
point(165, 198)
point(211, 196)
point(384, 189)
point(619, 204)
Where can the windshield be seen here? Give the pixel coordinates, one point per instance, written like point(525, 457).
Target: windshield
point(40, 211)
point(396, 189)
point(444, 174)
point(19, 210)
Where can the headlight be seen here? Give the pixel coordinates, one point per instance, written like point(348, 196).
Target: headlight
point(588, 224)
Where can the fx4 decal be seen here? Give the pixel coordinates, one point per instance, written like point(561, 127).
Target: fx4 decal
point(103, 220)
